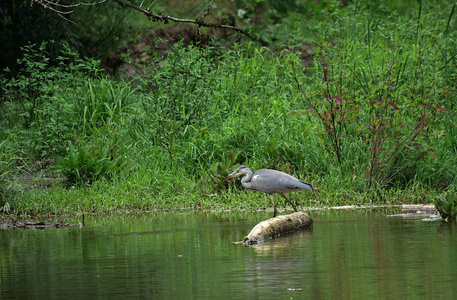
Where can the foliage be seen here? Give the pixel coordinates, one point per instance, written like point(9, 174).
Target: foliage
point(33, 99)
point(97, 30)
point(211, 179)
point(98, 103)
point(370, 92)
point(367, 118)
point(5, 167)
point(38, 79)
point(86, 164)
point(446, 204)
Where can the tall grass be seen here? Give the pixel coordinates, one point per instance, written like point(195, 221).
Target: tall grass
point(370, 122)
point(383, 96)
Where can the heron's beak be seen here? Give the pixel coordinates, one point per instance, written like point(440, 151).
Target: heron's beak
point(231, 175)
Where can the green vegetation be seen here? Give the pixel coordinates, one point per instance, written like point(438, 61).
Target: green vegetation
point(359, 101)
point(23, 22)
point(446, 205)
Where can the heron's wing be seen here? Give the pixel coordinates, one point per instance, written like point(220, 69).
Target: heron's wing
point(273, 181)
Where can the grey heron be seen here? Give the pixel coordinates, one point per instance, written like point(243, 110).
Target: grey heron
point(270, 182)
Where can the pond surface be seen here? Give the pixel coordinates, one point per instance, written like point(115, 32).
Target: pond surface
point(173, 255)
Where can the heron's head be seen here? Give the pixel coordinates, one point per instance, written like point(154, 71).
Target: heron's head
point(238, 172)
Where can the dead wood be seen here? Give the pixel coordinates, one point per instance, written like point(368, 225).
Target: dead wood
point(277, 226)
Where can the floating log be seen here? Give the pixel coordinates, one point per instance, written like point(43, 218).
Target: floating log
point(277, 226)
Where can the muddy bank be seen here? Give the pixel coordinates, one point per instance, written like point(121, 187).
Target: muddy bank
point(7, 224)
point(405, 210)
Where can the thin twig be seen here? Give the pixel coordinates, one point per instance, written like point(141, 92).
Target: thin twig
point(206, 12)
point(50, 5)
point(68, 5)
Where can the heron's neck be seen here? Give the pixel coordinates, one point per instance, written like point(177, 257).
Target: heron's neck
point(246, 180)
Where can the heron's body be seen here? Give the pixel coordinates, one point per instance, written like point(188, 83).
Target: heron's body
point(270, 182)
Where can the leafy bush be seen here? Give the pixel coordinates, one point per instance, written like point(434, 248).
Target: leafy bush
point(34, 105)
point(446, 204)
point(85, 164)
point(38, 82)
point(97, 30)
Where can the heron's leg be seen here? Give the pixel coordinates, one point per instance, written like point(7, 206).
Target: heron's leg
point(274, 206)
point(293, 205)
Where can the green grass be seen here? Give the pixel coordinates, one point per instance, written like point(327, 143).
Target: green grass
point(370, 122)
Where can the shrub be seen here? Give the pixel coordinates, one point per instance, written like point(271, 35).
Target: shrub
point(446, 204)
point(86, 164)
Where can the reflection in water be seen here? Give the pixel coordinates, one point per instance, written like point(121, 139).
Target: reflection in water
point(170, 255)
point(281, 244)
point(283, 268)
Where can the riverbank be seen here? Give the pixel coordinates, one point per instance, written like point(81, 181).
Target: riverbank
point(368, 118)
point(78, 219)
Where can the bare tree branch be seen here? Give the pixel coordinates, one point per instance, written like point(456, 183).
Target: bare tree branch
point(66, 9)
point(197, 22)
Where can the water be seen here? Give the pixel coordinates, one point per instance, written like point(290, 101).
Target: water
point(170, 255)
